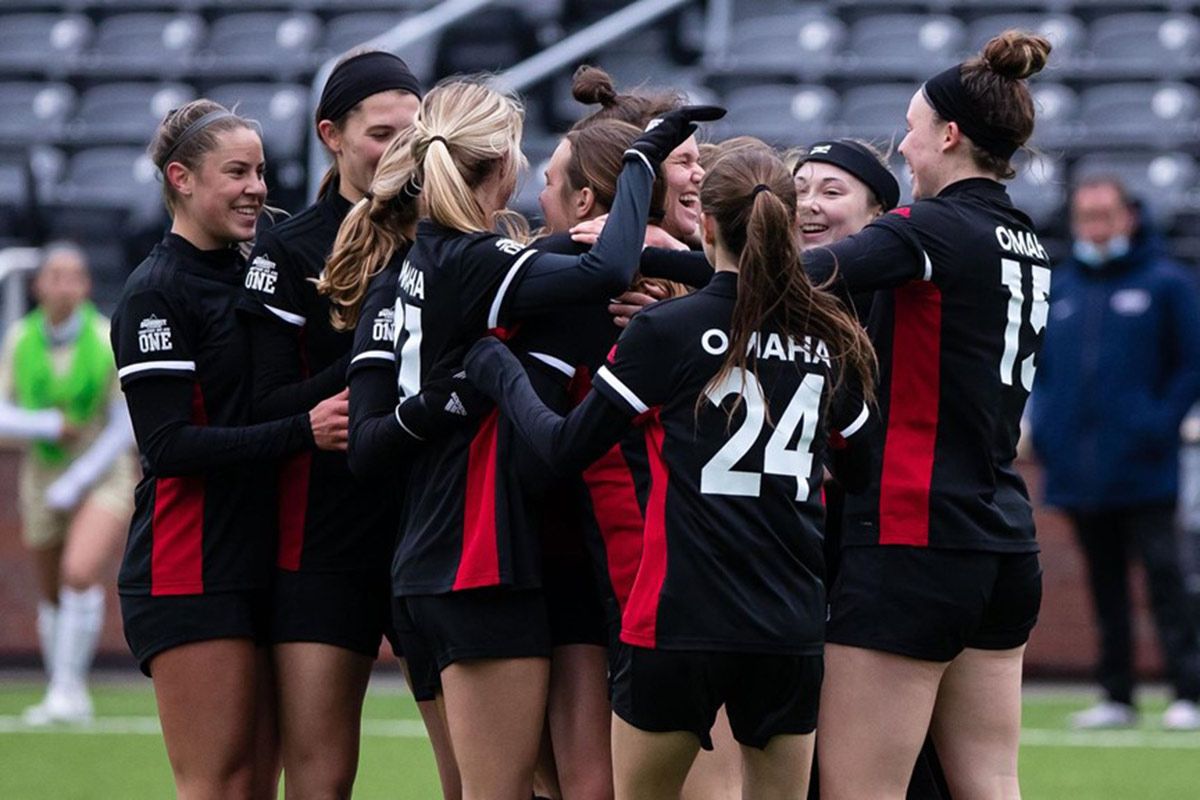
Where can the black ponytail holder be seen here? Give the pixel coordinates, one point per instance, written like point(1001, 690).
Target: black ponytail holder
point(441, 139)
point(762, 187)
point(368, 195)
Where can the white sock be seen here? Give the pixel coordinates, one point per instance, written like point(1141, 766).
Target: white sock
point(47, 628)
point(80, 619)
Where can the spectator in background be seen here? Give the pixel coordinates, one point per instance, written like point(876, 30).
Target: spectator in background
point(1120, 368)
point(58, 391)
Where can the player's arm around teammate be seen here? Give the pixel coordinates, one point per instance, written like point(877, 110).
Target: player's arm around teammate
point(707, 623)
point(958, 331)
point(195, 570)
point(330, 600)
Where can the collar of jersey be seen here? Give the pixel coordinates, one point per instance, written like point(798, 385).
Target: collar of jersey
point(223, 263)
point(973, 186)
point(723, 283)
point(335, 206)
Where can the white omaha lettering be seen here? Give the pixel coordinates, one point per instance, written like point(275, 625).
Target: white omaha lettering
point(412, 281)
point(1023, 243)
point(771, 345)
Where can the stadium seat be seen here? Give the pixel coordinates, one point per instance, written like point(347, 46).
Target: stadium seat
point(1163, 115)
point(350, 30)
point(42, 43)
point(876, 113)
point(260, 43)
point(803, 44)
point(490, 40)
point(158, 44)
point(903, 45)
point(1039, 189)
point(783, 115)
point(1162, 181)
point(1066, 33)
point(280, 108)
point(1057, 109)
point(1144, 44)
point(125, 113)
point(109, 177)
point(34, 112)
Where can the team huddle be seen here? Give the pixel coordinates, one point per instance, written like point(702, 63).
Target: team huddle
point(719, 460)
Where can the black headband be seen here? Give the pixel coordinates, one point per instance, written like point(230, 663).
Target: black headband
point(193, 129)
point(949, 99)
point(859, 162)
point(357, 78)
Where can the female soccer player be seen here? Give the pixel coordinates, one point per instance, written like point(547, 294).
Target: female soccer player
point(330, 597)
point(939, 583)
point(58, 389)
point(466, 564)
point(197, 564)
point(728, 604)
point(362, 291)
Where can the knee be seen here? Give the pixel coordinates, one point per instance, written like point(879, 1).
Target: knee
point(75, 578)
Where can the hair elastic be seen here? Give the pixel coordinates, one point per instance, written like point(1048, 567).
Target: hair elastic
point(441, 139)
point(368, 195)
point(762, 187)
point(191, 130)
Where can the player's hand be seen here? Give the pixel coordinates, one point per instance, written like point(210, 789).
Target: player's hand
point(330, 422)
point(624, 307)
point(667, 132)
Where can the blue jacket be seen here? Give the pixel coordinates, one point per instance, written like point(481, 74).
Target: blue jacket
point(1119, 369)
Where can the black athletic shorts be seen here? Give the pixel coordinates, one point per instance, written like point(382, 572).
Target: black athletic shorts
point(573, 604)
point(494, 622)
point(155, 624)
point(673, 690)
point(350, 610)
point(931, 603)
point(424, 677)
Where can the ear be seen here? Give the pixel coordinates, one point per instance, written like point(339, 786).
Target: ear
point(951, 137)
point(330, 135)
point(585, 201)
point(180, 178)
point(709, 229)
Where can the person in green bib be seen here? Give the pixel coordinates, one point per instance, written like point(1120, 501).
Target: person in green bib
point(59, 394)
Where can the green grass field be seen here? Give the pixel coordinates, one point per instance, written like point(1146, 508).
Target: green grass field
point(122, 757)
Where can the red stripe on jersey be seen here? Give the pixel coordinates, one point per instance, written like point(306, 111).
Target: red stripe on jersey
point(639, 621)
point(912, 416)
point(294, 476)
point(619, 518)
point(480, 561)
point(177, 527)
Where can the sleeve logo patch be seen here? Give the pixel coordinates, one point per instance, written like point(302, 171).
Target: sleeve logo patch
point(154, 335)
point(384, 327)
point(509, 246)
point(262, 275)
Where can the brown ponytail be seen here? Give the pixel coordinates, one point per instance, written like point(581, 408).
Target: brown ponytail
point(592, 86)
point(750, 194)
point(995, 82)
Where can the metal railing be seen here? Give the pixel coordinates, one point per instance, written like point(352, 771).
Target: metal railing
point(404, 35)
point(595, 37)
point(15, 263)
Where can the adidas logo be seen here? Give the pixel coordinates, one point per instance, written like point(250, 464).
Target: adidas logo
point(455, 406)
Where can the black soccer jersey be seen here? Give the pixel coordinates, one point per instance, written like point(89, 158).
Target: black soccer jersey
point(731, 554)
point(203, 517)
point(957, 337)
point(327, 520)
point(467, 521)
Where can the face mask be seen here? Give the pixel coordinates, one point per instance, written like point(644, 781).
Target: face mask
point(1095, 256)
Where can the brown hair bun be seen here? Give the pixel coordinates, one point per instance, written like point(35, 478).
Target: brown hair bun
point(1016, 54)
point(592, 85)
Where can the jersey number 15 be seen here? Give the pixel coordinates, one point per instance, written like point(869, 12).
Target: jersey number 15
point(1010, 276)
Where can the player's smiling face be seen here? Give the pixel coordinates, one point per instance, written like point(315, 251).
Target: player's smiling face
point(558, 200)
point(922, 146)
point(222, 198)
point(831, 204)
point(367, 132)
point(683, 175)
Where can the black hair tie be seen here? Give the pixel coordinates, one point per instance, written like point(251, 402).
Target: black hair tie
point(368, 195)
point(441, 139)
point(762, 187)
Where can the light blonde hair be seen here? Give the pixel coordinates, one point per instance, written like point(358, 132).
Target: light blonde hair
point(463, 133)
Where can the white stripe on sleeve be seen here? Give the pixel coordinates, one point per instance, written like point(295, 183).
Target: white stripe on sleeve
point(635, 402)
point(556, 363)
point(145, 366)
point(856, 426)
point(498, 300)
point(287, 316)
point(381, 355)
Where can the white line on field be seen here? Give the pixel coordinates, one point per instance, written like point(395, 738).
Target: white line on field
point(415, 729)
point(132, 726)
